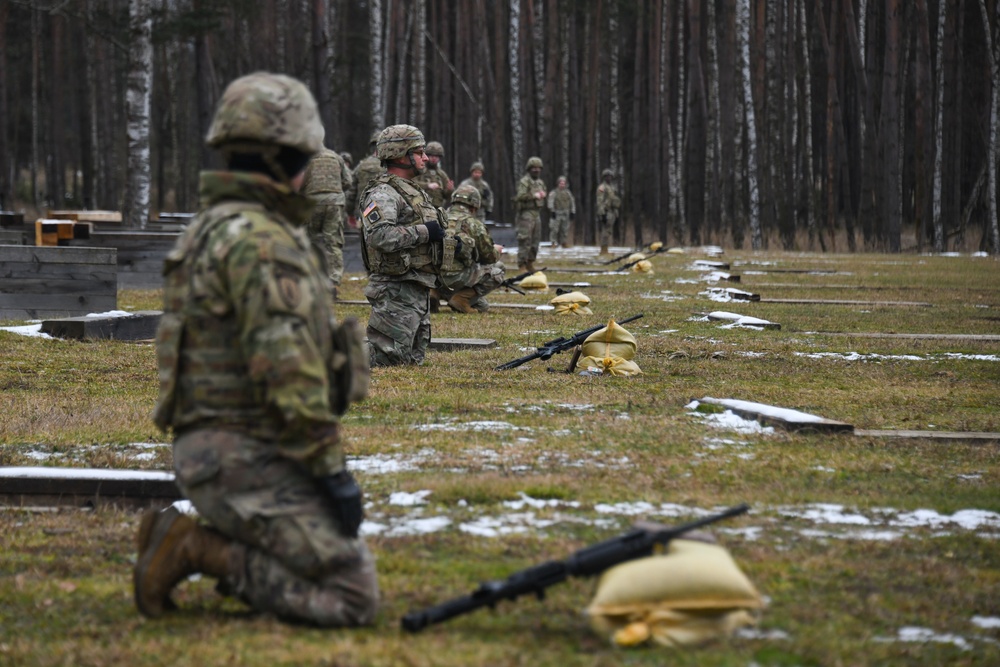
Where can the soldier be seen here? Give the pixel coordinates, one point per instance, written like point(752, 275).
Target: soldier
point(327, 182)
point(528, 201)
point(254, 375)
point(470, 264)
point(347, 158)
point(477, 181)
point(434, 180)
point(367, 169)
point(608, 204)
point(562, 205)
point(400, 244)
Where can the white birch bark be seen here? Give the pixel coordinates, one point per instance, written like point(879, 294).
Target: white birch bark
point(743, 46)
point(713, 151)
point(418, 73)
point(538, 63)
point(137, 113)
point(991, 155)
point(807, 121)
point(513, 55)
point(377, 83)
point(939, 132)
point(862, 30)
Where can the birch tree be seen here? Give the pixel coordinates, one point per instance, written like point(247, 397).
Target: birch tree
point(743, 46)
point(991, 154)
point(514, 56)
point(418, 71)
point(939, 131)
point(137, 105)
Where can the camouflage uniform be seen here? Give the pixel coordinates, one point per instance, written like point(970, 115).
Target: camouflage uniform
point(434, 181)
point(402, 263)
point(475, 263)
point(367, 169)
point(528, 201)
point(608, 205)
point(327, 182)
point(485, 192)
point(562, 205)
point(254, 375)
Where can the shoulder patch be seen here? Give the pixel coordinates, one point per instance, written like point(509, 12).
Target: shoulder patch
point(371, 213)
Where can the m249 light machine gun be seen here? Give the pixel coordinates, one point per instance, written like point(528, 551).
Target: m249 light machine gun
point(546, 350)
point(587, 562)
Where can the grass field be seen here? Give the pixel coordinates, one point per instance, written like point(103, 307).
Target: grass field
point(869, 551)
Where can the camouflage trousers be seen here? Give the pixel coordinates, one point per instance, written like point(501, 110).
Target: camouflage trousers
point(483, 278)
point(326, 229)
point(606, 229)
point(399, 328)
point(529, 236)
point(559, 228)
point(289, 557)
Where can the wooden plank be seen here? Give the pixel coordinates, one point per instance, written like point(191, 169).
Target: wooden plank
point(843, 302)
point(86, 487)
point(974, 437)
point(105, 285)
point(10, 218)
point(138, 326)
point(912, 336)
point(751, 267)
point(788, 419)
point(91, 216)
point(59, 255)
point(711, 265)
point(452, 344)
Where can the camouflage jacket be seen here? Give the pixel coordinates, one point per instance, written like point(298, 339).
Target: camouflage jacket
point(327, 174)
point(526, 198)
point(485, 195)
point(366, 170)
point(607, 200)
point(477, 244)
point(434, 181)
point(247, 339)
point(562, 200)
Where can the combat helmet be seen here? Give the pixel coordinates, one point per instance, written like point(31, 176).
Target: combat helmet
point(607, 172)
point(533, 161)
point(267, 109)
point(396, 141)
point(468, 195)
point(477, 165)
point(434, 148)
point(374, 140)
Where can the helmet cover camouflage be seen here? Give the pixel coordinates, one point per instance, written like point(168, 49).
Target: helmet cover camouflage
point(467, 194)
point(434, 148)
point(396, 141)
point(533, 161)
point(477, 165)
point(374, 139)
point(267, 108)
point(607, 172)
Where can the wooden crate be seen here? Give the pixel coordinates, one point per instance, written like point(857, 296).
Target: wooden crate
point(40, 281)
point(52, 232)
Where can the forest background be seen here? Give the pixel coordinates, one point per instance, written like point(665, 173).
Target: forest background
point(800, 124)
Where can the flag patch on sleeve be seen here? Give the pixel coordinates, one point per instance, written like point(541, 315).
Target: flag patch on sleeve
point(371, 213)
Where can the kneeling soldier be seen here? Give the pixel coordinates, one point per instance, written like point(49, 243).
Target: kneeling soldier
point(470, 262)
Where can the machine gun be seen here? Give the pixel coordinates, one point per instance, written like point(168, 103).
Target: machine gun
point(510, 283)
point(587, 562)
point(546, 350)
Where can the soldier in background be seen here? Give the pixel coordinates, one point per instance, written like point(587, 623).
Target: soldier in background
point(562, 205)
point(434, 180)
point(367, 169)
point(327, 182)
point(254, 376)
point(608, 205)
point(470, 263)
point(529, 201)
point(477, 181)
point(347, 158)
point(401, 233)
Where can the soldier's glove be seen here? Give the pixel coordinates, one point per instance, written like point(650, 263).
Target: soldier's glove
point(345, 501)
point(434, 231)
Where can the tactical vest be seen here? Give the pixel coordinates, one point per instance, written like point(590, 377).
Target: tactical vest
point(425, 257)
point(453, 258)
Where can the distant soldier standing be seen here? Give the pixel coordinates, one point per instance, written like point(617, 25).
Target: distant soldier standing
point(470, 263)
point(400, 243)
point(477, 181)
point(327, 182)
point(608, 205)
point(562, 205)
point(434, 180)
point(529, 200)
point(254, 376)
point(367, 169)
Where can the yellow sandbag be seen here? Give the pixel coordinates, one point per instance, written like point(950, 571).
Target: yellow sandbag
point(635, 257)
point(691, 595)
point(610, 350)
point(572, 303)
point(653, 247)
point(536, 281)
point(645, 266)
point(676, 251)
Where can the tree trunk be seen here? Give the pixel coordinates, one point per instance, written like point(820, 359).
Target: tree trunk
point(743, 44)
point(939, 130)
point(991, 154)
point(890, 126)
point(695, 139)
point(6, 158)
point(514, 58)
point(137, 110)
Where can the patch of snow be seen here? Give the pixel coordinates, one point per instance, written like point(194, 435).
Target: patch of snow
point(986, 622)
point(404, 499)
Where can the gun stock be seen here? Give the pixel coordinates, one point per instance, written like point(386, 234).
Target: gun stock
point(586, 562)
point(545, 351)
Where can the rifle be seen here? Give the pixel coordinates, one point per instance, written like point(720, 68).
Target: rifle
point(509, 283)
point(637, 543)
point(546, 350)
point(626, 267)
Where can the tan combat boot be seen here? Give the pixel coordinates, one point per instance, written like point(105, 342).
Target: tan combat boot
point(171, 547)
point(461, 300)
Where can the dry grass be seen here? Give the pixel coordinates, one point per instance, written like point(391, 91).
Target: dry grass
point(64, 577)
